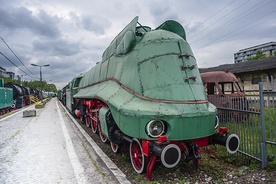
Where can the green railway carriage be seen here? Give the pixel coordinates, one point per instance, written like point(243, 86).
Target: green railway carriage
point(6, 98)
point(147, 92)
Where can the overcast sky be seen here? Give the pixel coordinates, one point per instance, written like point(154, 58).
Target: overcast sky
point(71, 35)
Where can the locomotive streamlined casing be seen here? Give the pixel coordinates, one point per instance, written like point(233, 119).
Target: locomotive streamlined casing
point(147, 91)
point(147, 79)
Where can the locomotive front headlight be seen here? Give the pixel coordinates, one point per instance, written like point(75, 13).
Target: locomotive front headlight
point(216, 122)
point(155, 128)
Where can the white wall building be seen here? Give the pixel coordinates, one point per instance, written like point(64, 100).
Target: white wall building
point(5, 73)
point(268, 49)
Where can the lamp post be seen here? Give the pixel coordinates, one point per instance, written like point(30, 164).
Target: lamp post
point(41, 97)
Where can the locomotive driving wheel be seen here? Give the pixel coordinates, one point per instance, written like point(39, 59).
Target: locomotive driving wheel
point(103, 137)
point(137, 157)
point(88, 118)
point(94, 122)
point(94, 126)
point(114, 147)
point(87, 121)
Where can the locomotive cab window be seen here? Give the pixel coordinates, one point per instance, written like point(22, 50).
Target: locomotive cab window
point(77, 82)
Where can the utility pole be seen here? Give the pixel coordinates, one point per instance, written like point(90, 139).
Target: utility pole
point(41, 95)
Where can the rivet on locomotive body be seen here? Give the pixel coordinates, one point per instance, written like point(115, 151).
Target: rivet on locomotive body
point(184, 55)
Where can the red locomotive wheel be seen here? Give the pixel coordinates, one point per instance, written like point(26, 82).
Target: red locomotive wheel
point(94, 126)
point(114, 147)
point(136, 156)
point(103, 137)
point(88, 121)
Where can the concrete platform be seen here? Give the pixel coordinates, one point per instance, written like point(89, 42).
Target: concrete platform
point(51, 147)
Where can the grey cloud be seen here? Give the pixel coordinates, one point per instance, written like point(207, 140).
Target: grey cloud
point(75, 38)
point(12, 19)
point(162, 12)
point(46, 25)
point(57, 47)
point(95, 24)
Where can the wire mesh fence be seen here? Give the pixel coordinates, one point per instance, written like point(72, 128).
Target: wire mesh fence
point(253, 119)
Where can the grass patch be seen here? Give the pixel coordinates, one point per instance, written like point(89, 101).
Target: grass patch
point(271, 166)
point(249, 130)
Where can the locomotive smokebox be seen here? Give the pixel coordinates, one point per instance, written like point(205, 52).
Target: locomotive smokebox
point(170, 154)
point(231, 142)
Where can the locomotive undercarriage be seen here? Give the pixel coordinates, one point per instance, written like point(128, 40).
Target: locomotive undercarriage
point(144, 154)
point(5, 110)
point(88, 111)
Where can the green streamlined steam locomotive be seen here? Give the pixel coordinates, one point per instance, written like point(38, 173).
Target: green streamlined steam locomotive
point(147, 93)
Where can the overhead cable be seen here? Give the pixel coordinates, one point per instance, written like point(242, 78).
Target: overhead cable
point(251, 10)
point(16, 55)
point(13, 63)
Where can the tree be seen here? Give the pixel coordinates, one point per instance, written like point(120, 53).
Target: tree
point(6, 79)
point(32, 84)
point(259, 55)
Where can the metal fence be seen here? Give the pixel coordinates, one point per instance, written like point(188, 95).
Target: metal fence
point(268, 116)
point(253, 119)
